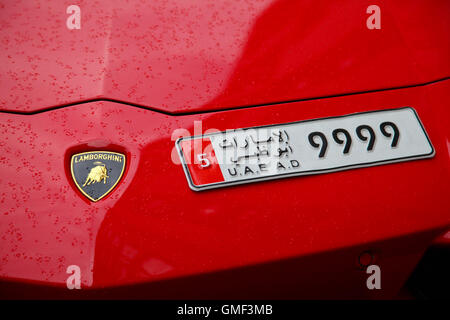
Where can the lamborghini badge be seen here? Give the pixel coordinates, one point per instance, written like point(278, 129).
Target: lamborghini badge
point(96, 173)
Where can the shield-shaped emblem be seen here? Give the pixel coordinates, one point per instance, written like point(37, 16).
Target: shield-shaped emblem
point(96, 173)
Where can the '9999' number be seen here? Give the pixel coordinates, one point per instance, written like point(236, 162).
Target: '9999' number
point(363, 132)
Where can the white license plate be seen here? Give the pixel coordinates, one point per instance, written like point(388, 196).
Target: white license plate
point(302, 148)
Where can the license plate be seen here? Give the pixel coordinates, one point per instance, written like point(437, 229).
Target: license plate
point(303, 148)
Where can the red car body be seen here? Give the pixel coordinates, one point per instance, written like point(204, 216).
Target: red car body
point(137, 71)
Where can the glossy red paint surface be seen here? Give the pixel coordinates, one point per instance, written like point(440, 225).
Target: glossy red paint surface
point(152, 227)
point(183, 56)
point(296, 237)
point(443, 240)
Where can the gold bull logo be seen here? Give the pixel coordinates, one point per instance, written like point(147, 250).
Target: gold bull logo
point(97, 174)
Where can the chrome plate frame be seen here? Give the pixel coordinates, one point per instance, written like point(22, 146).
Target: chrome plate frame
point(352, 141)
